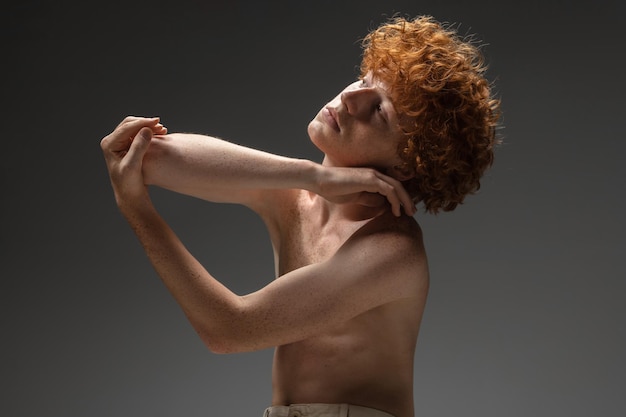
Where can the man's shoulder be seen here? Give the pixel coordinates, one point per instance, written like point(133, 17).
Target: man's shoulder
point(403, 230)
point(389, 239)
point(388, 254)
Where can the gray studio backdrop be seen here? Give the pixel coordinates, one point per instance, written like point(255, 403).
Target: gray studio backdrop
point(526, 314)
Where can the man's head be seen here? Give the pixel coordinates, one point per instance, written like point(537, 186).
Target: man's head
point(436, 82)
point(360, 128)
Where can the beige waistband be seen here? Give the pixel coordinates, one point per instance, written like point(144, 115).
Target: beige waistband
point(323, 410)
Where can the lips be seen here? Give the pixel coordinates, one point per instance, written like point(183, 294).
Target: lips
point(330, 117)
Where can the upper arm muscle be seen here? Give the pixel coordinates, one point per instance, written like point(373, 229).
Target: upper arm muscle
point(362, 275)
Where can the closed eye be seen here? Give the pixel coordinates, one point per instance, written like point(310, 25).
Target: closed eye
point(381, 112)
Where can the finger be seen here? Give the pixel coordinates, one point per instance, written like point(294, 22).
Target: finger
point(159, 129)
point(119, 139)
point(406, 202)
point(400, 194)
point(129, 119)
point(139, 146)
point(131, 125)
point(381, 184)
point(389, 192)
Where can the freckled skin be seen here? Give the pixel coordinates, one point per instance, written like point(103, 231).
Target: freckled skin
point(367, 360)
point(345, 307)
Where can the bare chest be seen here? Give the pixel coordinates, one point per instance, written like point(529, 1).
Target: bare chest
point(311, 237)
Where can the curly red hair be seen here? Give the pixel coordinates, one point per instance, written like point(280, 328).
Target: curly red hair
point(437, 84)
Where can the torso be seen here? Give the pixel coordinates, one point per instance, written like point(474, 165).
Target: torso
point(366, 361)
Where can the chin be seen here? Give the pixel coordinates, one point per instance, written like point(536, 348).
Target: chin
point(315, 131)
point(322, 135)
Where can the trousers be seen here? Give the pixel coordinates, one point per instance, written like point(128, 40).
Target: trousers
point(323, 410)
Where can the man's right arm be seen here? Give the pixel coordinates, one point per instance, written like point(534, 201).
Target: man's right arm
point(219, 171)
point(216, 170)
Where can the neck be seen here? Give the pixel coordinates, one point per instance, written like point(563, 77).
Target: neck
point(366, 208)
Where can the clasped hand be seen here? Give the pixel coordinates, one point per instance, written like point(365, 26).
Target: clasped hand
point(124, 149)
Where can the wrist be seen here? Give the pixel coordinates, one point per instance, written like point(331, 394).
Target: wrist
point(313, 176)
point(135, 204)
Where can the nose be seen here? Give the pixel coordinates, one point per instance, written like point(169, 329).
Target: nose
point(360, 102)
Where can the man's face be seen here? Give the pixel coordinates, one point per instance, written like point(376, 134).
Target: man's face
point(359, 127)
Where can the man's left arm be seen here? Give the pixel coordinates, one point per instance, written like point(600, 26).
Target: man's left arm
point(183, 275)
point(373, 270)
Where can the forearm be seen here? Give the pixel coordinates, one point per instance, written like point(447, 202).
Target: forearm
point(209, 305)
point(220, 171)
point(216, 170)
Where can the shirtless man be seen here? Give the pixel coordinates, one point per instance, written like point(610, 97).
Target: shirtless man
point(351, 271)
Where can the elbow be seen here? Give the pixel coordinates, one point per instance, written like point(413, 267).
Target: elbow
point(219, 345)
point(224, 341)
point(233, 330)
